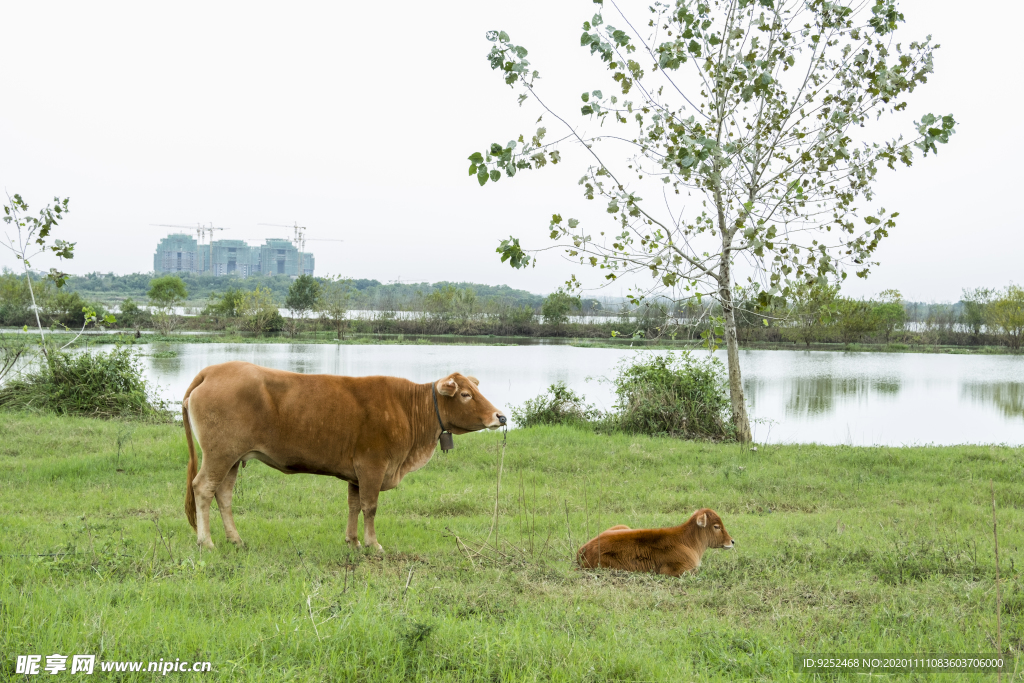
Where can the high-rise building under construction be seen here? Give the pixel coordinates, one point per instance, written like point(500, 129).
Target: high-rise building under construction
point(177, 253)
point(235, 256)
point(180, 253)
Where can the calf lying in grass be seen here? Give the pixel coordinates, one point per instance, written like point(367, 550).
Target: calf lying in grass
point(672, 550)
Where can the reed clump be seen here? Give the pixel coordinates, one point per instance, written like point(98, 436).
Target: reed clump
point(106, 385)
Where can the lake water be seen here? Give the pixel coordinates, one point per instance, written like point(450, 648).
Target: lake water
point(795, 396)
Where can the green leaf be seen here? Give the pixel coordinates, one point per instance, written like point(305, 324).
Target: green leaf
point(476, 158)
point(511, 251)
point(481, 176)
point(503, 36)
point(495, 176)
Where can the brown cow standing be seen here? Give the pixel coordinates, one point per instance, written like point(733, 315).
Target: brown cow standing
point(369, 431)
point(672, 550)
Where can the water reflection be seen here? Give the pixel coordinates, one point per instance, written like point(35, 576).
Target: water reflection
point(1008, 397)
point(806, 396)
point(820, 395)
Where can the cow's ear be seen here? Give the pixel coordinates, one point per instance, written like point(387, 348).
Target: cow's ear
point(447, 387)
point(702, 521)
point(473, 379)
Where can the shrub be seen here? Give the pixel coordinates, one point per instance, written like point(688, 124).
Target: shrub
point(227, 304)
point(853, 319)
point(303, 296)
point(557, 308)
point(95, 384)
point(675, 395)
point(560, 405)
point(335, 302)
point(15, 314)
point(260, 312)
point(65, 308)
point(165, 293)
point(15, 300)
point(1005, 315)
point(132, 315)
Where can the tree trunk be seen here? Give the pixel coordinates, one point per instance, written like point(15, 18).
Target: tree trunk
point(35, 309)
point(739, 404)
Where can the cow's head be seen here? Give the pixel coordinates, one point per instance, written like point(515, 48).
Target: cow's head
point(710, 528)
point(463, 408)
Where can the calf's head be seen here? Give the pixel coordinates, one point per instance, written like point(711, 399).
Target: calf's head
point(463, 408)
point(711, 530)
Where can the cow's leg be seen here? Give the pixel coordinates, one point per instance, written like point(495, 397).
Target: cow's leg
point(205, 487)
point(352, 530)
point(223, 494)
point(674, 569)
point(369, 490)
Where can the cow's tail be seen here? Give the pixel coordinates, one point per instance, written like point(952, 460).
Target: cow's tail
point(193, 463)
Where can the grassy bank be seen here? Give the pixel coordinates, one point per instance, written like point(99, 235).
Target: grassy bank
point(840, 550)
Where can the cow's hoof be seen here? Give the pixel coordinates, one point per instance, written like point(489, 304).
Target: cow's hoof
point(375, 547)
point(355, 545)
point(239, 543)
point(206, 545)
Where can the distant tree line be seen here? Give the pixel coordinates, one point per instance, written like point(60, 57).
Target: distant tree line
point(815, 315)
point(60, 306)
point(111, 288)
point(983, 316)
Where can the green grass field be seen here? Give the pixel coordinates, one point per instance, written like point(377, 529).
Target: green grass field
point(839, 550)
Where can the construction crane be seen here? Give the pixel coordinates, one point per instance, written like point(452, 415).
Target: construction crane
point(300, 238)
point(200, 229)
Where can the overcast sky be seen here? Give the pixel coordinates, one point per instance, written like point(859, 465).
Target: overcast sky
point(356, 119)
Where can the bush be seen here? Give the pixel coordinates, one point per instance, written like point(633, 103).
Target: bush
point(95, 384)
point(557, 308)
point(15, 300)
point(260, 312)
point(131, 315)
point(226, 304)
point(1005, 315)
point(675, 395)
point(14, 314)
point(276, 322)
point(65, 308)
point(561, 405)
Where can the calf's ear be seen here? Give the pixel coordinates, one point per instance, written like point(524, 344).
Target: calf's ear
point(473, 379)
point(447, 387)
point(702, 521)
